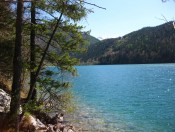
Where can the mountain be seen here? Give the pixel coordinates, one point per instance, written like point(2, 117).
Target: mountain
point(92, 40)
point(147, 45)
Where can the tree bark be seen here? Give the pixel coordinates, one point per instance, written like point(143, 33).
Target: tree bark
point(17, 68)
point(32, 50)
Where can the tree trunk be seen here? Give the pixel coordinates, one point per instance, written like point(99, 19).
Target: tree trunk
point(42, 60)
point(32, 50)
point(17, 68)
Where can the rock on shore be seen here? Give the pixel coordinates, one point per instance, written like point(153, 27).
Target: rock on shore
point(5, 100)
point(30, 123)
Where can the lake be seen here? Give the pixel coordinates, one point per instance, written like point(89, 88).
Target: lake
point(127, 98)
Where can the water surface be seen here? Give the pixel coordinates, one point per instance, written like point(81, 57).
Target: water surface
point(127, 97)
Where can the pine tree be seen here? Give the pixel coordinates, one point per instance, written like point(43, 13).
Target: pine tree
point(65, 38)
point(17, 68)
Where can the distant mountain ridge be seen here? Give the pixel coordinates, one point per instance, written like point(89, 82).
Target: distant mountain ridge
point(147, 45)
point(92, 40)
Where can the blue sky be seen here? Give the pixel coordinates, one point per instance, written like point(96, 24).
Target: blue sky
point(124, 16)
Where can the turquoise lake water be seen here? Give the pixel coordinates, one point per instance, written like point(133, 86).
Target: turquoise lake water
point(128, 98)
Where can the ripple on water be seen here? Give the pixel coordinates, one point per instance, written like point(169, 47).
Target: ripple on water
point(89, 119)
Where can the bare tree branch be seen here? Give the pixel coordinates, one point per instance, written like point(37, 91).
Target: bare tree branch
point(163, 18)
point(93, 4)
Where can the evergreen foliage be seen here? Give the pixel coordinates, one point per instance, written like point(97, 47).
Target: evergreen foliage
point(54, 34)
point(148, 45)
point(7, 38)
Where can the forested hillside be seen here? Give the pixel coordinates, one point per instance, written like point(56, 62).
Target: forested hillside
point(92, 40)
point(147, 45)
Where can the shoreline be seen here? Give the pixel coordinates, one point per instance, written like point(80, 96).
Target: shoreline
point(86, 120)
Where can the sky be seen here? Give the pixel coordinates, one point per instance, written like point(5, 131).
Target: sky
point(124, 16)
